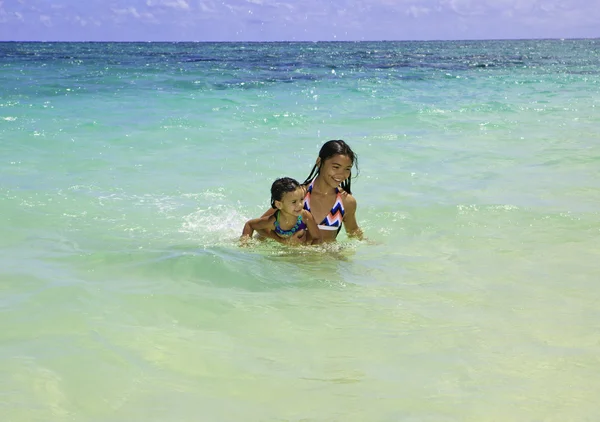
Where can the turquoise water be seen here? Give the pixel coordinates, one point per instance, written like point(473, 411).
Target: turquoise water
point(128, 170)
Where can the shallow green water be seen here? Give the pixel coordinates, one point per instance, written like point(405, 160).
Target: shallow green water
point(128, 170)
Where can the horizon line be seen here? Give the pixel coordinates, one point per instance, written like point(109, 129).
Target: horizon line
point(308, 41)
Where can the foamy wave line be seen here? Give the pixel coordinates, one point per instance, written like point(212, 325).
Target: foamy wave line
point(214, 225)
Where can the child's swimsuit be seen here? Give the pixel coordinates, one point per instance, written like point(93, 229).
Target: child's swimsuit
point(333, 220)
point(300, 225)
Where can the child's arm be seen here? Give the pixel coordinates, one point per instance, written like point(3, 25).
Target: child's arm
point(261, 223)
point(311, 225)
point(267, 232)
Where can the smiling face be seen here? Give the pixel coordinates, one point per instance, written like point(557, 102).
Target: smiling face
point(336, 169)
point(291, 202)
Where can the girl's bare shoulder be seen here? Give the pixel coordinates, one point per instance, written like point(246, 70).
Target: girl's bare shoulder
point(347, 198)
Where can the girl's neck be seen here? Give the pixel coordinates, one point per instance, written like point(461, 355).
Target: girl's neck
point(322, 187)
point(287, 219)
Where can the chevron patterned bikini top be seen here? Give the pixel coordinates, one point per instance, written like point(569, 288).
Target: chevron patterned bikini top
point(333, 220)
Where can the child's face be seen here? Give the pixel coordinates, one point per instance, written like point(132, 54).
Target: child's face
point(336, 169)
point(291, 202)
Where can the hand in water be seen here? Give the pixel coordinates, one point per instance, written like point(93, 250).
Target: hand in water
point(245, 241)
point(297, 238)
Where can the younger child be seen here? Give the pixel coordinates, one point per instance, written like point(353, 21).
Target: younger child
point(290, 220)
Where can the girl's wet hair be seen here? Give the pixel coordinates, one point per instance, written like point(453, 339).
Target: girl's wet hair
point(328, 150)
point(282, 186)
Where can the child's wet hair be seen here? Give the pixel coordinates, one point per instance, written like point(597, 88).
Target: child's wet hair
point(328, 150)
point(282, 186)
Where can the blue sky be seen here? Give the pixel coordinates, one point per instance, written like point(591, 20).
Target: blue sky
point(272, 20)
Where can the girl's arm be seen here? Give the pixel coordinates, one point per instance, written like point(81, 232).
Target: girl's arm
point(257, 224)
point(313, 229)
point(350, 223)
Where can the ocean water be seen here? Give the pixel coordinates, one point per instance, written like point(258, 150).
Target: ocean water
point(127, 172)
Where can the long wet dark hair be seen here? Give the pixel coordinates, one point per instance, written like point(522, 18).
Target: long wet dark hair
point(328, 150)
point(282, 186)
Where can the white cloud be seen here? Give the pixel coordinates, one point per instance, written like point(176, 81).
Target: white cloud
point(287, 6)
point(123, 14)
point(128, 11)
point(416, 11)
point(173, 4)
point(46, 20)
point(264, 4)
point(466, 7)
point(78, 19)
point(551, 8)
point(512, 7)
point(207, 6)
point(236, 9)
